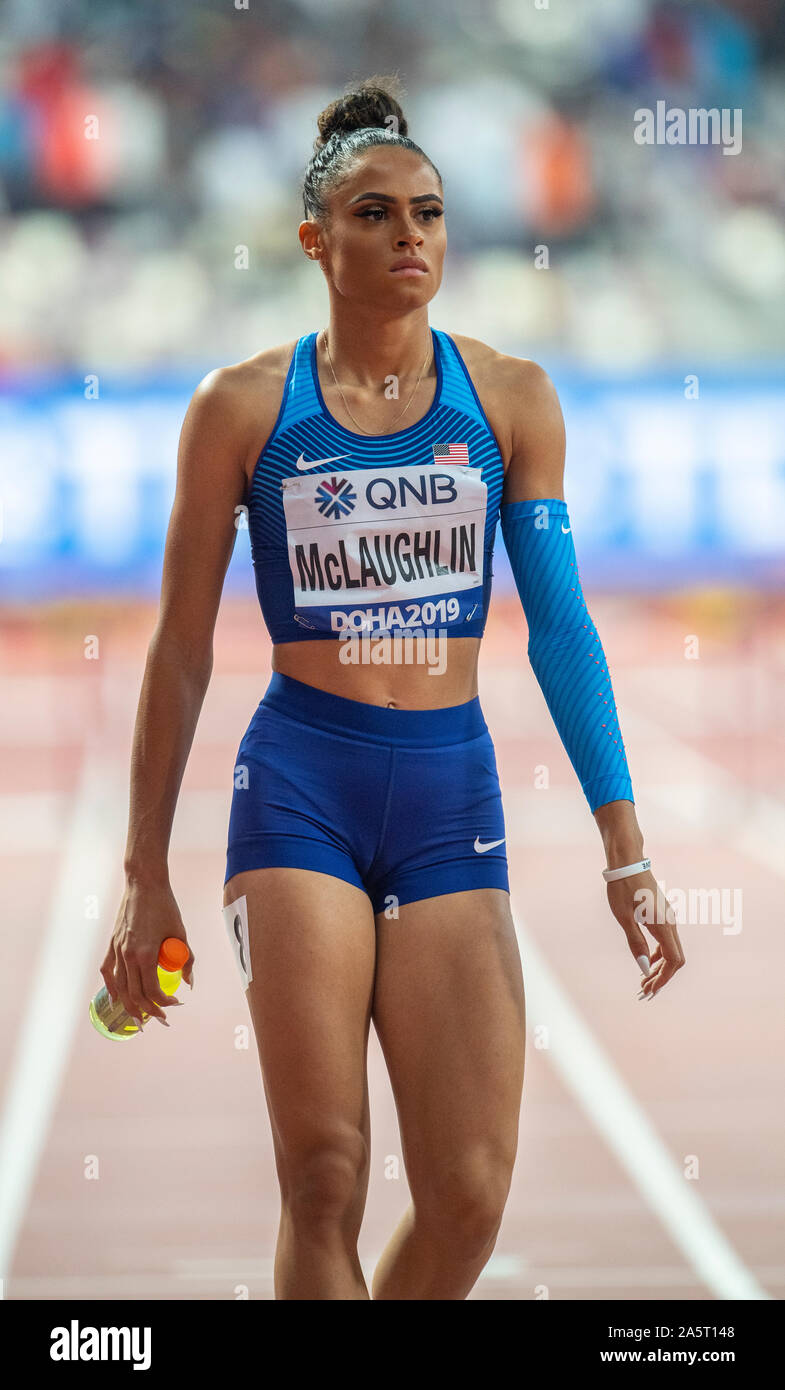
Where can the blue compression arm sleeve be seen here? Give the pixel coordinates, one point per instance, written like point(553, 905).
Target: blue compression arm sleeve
point(564, 648)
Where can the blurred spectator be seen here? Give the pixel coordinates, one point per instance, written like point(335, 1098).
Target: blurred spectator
point(141, 144)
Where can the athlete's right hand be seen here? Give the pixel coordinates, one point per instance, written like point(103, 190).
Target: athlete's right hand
point(148, 914)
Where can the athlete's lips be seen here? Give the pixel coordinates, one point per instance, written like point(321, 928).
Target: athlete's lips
point(409, 265)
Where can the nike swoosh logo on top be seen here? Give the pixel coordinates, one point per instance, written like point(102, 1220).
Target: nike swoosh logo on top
point(481, 848)
point(301, 463)
point(565, 529)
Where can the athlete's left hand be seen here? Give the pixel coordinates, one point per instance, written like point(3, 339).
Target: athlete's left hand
point(668, 956)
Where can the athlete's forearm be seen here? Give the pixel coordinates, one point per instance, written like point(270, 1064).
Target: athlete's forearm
point(564, 647)
point(622, 837)
point(572, 673)
point(171, 698)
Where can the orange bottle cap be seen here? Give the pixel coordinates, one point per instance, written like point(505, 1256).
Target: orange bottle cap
point(173, 954)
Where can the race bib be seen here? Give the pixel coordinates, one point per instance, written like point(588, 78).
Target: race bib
point(394, 535)
point(235, 917)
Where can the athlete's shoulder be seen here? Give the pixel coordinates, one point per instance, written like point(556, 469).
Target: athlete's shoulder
point(255, 378)
point(517, 394)
point(240, 401)
point(500, 368)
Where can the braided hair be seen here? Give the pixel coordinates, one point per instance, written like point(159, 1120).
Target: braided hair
point(364, 116)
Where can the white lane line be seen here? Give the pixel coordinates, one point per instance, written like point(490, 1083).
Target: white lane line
point(258, 1275)
point(591, 1077)
point(55, 1005)
point(624, 1276)
point(59, 983)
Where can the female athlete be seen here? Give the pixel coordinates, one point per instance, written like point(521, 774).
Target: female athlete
point(366, 874)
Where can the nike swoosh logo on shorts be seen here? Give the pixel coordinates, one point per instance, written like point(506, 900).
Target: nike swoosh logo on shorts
point(481, 848)
point(301, 463)
point(565, 529)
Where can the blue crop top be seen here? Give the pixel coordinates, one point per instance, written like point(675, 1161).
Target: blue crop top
point(373, 533)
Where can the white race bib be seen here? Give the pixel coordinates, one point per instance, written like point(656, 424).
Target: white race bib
point(235, 916)
point(385, 534)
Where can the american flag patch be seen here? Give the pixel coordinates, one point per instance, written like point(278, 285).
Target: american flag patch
point(453, 453)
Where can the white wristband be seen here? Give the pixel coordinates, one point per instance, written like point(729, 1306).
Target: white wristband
point(626, 871)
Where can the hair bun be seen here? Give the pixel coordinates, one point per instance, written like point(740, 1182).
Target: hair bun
point(368, 104)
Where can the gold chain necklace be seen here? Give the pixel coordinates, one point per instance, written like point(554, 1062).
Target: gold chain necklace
point(343, 398)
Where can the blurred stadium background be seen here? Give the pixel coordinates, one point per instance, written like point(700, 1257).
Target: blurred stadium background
point(118, 253)
point(660, 317)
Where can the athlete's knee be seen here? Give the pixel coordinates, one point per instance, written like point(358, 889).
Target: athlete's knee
point(322, 1182)
point(463, 1202)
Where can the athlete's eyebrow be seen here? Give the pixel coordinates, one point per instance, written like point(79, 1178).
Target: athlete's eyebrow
point(387, 198)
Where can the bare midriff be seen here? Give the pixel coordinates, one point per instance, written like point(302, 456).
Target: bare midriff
point(445, 673)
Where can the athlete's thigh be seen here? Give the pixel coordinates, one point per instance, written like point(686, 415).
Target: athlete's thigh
point(449, 1011)
point(313, 951)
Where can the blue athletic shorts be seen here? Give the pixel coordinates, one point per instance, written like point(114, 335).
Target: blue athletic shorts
point(404, 804)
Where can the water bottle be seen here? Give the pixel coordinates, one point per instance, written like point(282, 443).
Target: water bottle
point(110, 1016)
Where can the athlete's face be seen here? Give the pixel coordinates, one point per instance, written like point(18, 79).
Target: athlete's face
point(388, 208)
